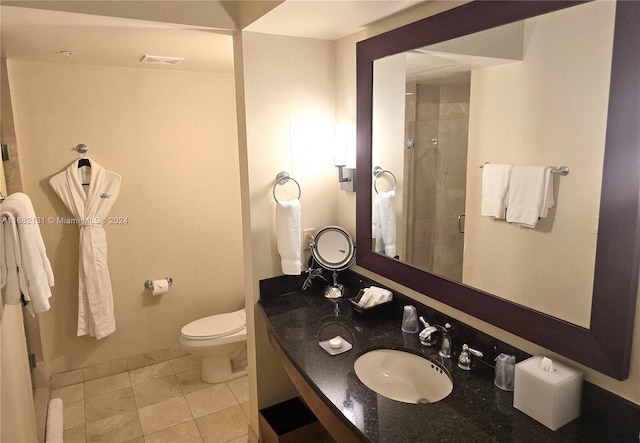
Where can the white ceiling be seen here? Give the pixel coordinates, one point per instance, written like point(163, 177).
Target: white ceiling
point(326, 20)
point(40, 35)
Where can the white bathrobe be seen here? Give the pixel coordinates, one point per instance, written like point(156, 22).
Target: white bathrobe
point(24, 265)
point(91, 205)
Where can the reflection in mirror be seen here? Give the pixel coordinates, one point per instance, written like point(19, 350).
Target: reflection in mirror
point(606, 344)
point(333, 249)
point(530, 92)
point(383, 221)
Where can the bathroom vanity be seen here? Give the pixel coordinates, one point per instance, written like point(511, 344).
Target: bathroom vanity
point(475, 411)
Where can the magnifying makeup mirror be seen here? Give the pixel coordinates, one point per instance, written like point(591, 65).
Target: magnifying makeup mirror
point(333, 249)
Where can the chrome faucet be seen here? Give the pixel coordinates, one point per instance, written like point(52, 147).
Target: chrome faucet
point(445, 342)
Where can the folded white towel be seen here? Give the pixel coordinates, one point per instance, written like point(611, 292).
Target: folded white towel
point(377, 299)
point(289, 236)
point(530, 194)
point(495, 187)
point(364, 299)
point(384, 222)
point(380, 291)
point(374, 296)
point(373, 300)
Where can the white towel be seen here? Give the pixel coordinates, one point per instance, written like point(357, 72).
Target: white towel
point(374, 295)
point(10, 259)
point(384, 222)
point(55, 421)
point(530, 194)
point(378, 296)
point(495, 187)
point(364, 299)
point(25, 260)
point(289, 236)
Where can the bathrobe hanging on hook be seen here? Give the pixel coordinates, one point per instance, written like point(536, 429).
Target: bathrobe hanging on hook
point(90, 203)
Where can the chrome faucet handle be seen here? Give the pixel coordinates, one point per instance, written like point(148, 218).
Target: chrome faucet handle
point(464, 360)
point(425, 335)
point(426, 338)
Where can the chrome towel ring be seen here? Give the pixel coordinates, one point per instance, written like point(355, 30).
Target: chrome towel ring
point(379, 172)
point(281, 179)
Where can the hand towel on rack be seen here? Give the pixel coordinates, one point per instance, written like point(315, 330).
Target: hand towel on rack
point(25, 261)
point(384, 222)
point(530, 194)
point(289, 236)
point(495, 187)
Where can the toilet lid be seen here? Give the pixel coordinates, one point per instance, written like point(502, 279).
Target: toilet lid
point(215, 326)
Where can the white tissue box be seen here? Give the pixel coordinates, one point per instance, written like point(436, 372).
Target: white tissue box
point(552, 398)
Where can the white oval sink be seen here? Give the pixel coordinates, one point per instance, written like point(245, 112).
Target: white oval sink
point(403, 376)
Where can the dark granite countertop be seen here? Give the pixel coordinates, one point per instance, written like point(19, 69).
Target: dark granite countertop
point(476, 410)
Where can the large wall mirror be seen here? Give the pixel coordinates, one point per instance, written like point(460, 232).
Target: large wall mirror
point(519, 82)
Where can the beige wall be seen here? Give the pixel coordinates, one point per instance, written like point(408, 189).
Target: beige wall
point(549, 109)
point(8, 134)
point(172, 137)
point(345, 105)
point(287, 123)
point(388, 135)
point(346, 92)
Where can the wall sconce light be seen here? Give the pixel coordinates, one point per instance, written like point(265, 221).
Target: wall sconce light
point(346, 176)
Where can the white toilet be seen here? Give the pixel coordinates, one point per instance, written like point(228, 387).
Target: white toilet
point(221, 340)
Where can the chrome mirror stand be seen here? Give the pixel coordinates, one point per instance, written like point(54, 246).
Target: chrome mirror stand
point(334, 290)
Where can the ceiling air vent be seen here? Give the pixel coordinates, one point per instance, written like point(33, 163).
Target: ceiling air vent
point(158, 60)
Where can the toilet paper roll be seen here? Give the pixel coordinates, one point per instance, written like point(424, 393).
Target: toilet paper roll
point(160, 287)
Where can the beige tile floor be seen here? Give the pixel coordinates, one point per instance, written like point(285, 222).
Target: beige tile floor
point(166, 402)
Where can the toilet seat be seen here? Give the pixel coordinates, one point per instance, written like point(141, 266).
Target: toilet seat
point(215, 326)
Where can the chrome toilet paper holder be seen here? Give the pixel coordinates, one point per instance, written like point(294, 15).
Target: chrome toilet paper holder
point(149, 283)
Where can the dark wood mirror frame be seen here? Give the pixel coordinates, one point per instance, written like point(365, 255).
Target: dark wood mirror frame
point(606, 345)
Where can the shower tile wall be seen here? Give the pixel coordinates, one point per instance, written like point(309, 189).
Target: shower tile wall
point(439, 171)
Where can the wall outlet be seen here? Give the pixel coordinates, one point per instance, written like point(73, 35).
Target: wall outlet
point(307, 237)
